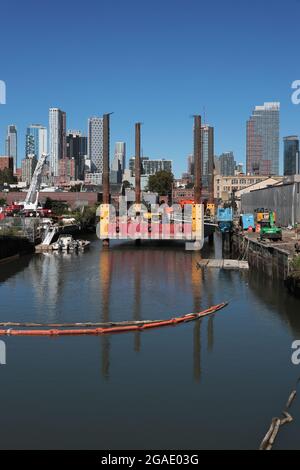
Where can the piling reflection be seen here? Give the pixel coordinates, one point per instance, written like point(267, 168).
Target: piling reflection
point(105, 271)
point(154, 270)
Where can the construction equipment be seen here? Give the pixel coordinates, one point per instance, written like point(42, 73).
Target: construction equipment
point(225, 219)
point(210, 210)
point(32, 197)
point(268, 228)
point(247, 222)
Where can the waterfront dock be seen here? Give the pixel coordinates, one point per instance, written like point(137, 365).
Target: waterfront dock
point(223, 264)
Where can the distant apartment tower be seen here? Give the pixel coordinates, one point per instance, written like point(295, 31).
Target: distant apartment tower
point(239, 168)
point(11, 144)
point(227, 164)
point(207, 148)
point(150, 167)
point(190, 165)
point(77, 152)
point(263, 140)
point(36, 141)
point(95, 144)
point(57, 140)
point(28, 166)
point(119, 161)
point(291, 155)
point(132, 165)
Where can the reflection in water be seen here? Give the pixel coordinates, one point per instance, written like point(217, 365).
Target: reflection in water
point(11, 268)
point(137, 304)
point(160, 270)
point(273, 293)
point(252, 336)
point(197, 275)
point(105, 268)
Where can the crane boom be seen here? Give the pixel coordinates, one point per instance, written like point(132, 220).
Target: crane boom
point(31, 201)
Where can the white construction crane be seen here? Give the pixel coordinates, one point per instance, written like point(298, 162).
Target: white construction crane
point(31, 201)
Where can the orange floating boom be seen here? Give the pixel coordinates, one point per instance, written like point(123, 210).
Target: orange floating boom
point(138, 326)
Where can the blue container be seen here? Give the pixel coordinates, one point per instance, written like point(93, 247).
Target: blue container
point(247, 221)
point(225, 214)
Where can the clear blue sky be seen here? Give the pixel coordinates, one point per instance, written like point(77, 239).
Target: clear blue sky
point(157, 61)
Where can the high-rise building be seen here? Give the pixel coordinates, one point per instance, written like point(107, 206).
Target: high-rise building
point(95, 144)
point(119, 160)
point(150, 167)
point(190, 165)
point(239, 168)
point(28, 166)
point(227, 164)
point(263, 140)
point(36, 140)
point(132, 165)
point(11, 144)
point(57, 140)
point(207, 150)
point(217, 165)
point(77, 152)
point(291, 155)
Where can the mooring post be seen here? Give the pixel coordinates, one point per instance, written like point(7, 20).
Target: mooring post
point(137, 173)
point(196, 245)
point(105, 182)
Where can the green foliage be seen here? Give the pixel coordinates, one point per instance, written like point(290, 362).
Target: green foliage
point(161, 183)
point(57, 207)
point(126, 184)
point(2, 201)
point(87, 217)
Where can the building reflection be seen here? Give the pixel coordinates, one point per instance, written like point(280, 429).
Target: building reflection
point(163, 270)
point(105, 268)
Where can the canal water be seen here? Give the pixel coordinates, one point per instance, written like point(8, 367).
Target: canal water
point(210, 384)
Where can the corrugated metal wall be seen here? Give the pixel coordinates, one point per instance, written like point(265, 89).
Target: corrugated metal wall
point(284, 200)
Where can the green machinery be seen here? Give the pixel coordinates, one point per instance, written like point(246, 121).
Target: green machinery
point(269, 229)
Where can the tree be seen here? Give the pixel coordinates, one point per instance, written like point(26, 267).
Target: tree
point(57, 207)
point(161, 182)
point(126, 184)
point(2, 201)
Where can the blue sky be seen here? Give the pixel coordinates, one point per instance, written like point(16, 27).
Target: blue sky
point(154, 61)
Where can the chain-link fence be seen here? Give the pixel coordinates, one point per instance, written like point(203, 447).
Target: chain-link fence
point(27, 227)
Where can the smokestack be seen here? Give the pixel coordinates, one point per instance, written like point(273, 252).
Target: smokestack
point(105, 182)
point(138, 163)
point(197, 160)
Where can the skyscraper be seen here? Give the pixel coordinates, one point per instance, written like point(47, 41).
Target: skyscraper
point(11, 144)
point(57, 139)
point(207, 149)
point(291, 155)
point(95, 144)
point(227, 164)
point(207, 155)
point(36, 140)
point(263, 140)
point(77, 151)
point(119, 160)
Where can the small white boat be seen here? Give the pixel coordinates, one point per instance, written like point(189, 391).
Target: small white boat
point(67, 243)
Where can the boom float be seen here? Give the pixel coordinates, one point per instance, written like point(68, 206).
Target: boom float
point(105, 328)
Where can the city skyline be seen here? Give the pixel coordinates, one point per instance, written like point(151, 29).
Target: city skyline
point(262, 69)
